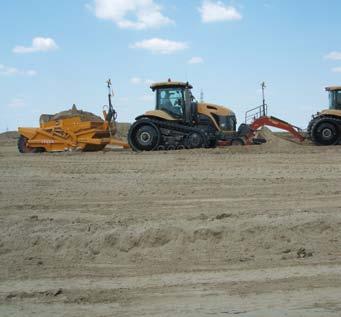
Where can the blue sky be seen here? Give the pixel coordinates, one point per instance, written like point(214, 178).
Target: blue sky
point(56, 53)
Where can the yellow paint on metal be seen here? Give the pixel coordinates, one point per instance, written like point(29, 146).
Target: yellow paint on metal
point(208, 109)
point(331, 112)
point(71, 134)
point(333, 88)
point(160, 114)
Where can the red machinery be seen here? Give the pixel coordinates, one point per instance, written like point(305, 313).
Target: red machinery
point(255, 119)
point(271, 121)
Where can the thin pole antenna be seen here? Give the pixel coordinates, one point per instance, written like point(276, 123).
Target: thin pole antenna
point(263, 95)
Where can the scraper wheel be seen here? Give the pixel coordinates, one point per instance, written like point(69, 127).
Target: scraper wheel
point(24, 148)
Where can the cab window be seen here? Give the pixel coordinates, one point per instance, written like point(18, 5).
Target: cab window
point(335, 100)
point(171, 100)
point(331, 100)
point(338, 100)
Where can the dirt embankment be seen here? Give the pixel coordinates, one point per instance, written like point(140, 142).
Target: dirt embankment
point(251, 230)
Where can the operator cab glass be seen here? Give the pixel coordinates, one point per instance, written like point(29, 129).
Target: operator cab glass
point(335, 100)
point(172, 101)
point(228, 123)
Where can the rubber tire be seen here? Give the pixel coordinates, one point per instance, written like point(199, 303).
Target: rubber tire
point(321, 125)
point(311, 123)
point(136, 137)
point(23, 148)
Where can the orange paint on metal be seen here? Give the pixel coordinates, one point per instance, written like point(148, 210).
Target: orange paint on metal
point(71, 134)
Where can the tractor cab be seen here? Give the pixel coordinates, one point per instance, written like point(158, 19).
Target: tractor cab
point(334, 97)
point(174, 99)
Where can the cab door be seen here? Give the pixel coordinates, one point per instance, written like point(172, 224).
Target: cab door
point(171, 100)
point(335, 100)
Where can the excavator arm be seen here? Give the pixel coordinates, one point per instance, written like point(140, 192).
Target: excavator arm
point(276, 123)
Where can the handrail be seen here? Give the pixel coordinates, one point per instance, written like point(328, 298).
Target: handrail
point(255, 113)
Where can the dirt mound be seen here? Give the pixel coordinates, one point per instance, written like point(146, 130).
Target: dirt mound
point(276, 142)
point(73, 112)
point(9, 136)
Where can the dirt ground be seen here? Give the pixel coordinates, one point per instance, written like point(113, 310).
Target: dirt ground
point(248, 231)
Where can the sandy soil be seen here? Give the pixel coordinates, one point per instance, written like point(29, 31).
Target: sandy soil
point(248, 231)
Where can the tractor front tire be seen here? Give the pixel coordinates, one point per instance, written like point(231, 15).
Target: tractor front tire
point(325, 131)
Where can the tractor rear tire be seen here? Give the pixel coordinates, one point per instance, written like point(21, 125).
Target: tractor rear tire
point(24, 148)
point(325, 131)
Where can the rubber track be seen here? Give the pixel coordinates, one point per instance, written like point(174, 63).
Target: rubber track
point(186, 130)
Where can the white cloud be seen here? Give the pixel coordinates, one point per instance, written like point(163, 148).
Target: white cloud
point(135, 80)
point(16, 103)
point(131, 14)
point(336, 70)
point(39, 44)
point(335, 56)
point(215, 11)
point(12, 71)
point(149, 81)
point(196, 60)
point(160, 46)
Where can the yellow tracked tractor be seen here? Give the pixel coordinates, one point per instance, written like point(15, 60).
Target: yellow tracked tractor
point(179, 121)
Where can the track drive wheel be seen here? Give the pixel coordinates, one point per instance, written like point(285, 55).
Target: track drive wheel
point(144, 136)
point(325, 131)
point(194, 140)
point(24, 148)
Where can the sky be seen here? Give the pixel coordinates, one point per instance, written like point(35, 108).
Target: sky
point(54, 54)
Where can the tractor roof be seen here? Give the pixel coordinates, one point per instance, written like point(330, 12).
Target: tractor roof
point(169, 83)
point(333, 88)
